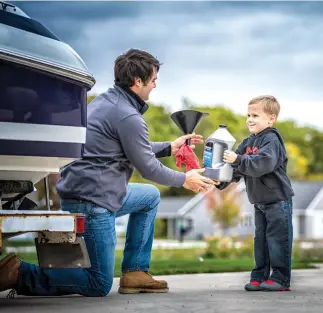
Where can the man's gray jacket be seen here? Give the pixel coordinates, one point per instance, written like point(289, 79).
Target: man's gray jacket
point(116, 143)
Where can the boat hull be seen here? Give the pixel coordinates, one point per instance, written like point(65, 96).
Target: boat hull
point(42, 122)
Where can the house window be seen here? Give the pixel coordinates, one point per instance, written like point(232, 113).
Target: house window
point(247, 221)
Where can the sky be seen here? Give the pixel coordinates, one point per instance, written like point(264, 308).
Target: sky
point(213, 53)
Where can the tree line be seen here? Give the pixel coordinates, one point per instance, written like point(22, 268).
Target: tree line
point(304, 144)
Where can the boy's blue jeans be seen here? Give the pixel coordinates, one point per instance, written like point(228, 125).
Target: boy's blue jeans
point(141, 203)
point(273, 242)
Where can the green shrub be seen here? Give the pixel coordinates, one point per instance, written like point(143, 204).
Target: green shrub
point(311, 254)
point(229, 247)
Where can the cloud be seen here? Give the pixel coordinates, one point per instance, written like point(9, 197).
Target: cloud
point(213, 52)
point(68, 19)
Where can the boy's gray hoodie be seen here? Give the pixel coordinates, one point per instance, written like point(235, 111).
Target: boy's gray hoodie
point(116, 143)
point(262, 162)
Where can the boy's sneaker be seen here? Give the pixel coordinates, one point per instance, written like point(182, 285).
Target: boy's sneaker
point(254, 285)
point(270, 285)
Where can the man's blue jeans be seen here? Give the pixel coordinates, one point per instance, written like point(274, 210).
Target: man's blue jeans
point(141, 203)
point(273, 242)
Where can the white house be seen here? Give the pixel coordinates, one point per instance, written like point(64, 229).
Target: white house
point(192, 213)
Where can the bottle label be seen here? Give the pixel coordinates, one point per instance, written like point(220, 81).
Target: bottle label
point(207, 157)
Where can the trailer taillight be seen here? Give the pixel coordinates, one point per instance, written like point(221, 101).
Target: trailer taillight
point(80, 224)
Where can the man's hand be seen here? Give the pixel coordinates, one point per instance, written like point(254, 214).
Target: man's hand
point(196, 182)
point(229, 156)
point(177, 144)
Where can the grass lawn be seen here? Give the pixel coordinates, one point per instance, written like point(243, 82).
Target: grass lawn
point(185, 261)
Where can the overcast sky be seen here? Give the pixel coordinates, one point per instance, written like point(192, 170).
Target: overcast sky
point(212, 52)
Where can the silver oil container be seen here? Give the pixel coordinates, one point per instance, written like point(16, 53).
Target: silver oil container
point(215, 145)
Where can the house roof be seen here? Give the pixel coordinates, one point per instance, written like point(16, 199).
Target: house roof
point(305, 192)
point(169, 206)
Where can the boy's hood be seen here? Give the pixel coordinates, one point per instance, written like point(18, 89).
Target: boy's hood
point(272, 130)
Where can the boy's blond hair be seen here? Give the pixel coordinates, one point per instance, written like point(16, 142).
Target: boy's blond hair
point(269, 104)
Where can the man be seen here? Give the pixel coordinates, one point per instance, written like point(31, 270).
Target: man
point(97, 186)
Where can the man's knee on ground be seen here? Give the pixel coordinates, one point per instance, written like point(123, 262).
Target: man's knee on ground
point(102, 290)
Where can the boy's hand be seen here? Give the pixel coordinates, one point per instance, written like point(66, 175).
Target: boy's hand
point(229, 156)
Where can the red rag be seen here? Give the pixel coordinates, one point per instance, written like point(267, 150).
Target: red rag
point(187, 156)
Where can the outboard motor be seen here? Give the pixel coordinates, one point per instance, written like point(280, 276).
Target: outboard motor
point(215, 145)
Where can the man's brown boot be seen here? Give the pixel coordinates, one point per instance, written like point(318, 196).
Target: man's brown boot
point(139, 281)
point(9, 269)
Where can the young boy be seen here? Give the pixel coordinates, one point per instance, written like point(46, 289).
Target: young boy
point(261, 160)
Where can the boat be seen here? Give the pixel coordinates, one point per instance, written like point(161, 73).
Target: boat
point(43, 116)
point(43, 102)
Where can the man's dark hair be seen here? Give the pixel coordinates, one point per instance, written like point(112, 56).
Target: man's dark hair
point(133, 64)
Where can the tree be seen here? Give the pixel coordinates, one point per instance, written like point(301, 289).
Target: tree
point(297, 166)
point(224, 206)
point(316, 143)
point(90, 98)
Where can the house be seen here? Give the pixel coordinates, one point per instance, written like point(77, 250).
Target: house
point(192, 216)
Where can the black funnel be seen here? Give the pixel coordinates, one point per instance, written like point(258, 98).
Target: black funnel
point(187, 120)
